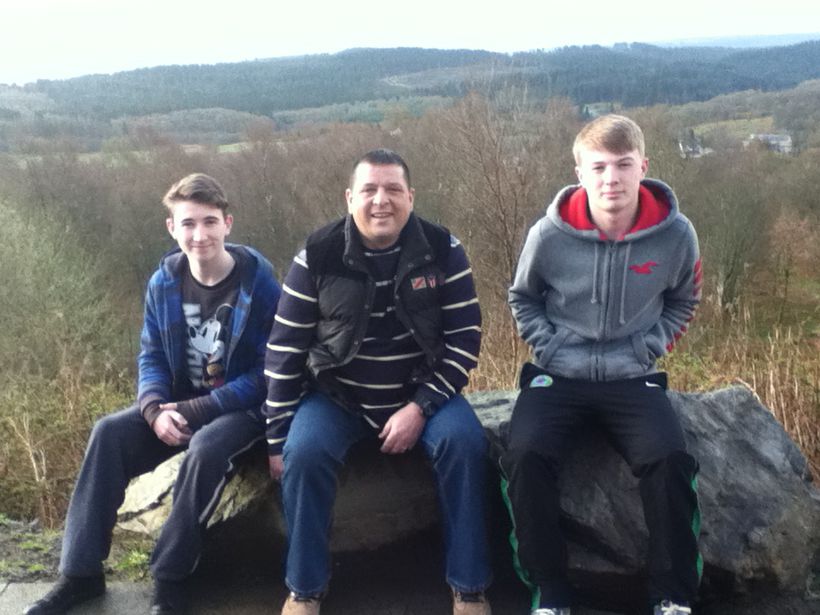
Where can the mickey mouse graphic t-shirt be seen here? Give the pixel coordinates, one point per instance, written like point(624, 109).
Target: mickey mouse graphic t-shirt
point(208, 313)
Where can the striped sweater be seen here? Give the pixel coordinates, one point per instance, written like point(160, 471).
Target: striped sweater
point(381, 376)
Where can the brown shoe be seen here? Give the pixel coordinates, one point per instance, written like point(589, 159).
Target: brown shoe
point(296, 605)
point(470, 604)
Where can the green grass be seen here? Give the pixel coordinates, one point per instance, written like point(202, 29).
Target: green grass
point(738, 128)
point(9, 566)
point(35, 543)
point(133, 563)
point(232, 148)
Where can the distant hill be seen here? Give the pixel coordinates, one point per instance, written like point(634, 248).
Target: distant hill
point(632, 74)
point(261, 86)
point(215, 103)
point(770, 40)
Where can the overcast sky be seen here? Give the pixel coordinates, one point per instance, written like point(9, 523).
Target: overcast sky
point(53, 39)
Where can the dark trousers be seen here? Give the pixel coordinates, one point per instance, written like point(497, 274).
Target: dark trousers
point(641, 424)
point(123, 446)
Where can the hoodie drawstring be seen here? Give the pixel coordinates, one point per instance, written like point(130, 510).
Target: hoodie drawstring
point(621, 316)
point(594, 299)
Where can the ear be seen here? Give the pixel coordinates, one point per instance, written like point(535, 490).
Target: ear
point(169, 224)
point(412, 193)
point(644, 167)
point(578, 174)
point(349, 200)
point(228, 223)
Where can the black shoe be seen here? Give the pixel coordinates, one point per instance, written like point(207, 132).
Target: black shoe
point(169, 597)
point(66, 593)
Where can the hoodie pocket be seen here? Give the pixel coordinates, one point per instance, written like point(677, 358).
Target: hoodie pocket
point(641, 350)
point(556, 341)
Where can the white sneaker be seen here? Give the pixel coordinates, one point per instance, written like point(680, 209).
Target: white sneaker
point(667, 607)
point(544, 611)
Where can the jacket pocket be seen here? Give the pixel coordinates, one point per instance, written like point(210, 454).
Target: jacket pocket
point(641, 350)
point(552, 346)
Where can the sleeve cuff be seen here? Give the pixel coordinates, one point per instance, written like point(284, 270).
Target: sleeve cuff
point(198, 411)
point(275, 449)
point(428, 402)
point(149, 407)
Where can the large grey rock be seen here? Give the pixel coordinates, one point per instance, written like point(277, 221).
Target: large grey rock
point(760, 512)
point(381, 499)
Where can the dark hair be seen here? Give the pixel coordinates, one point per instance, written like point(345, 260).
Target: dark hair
point(199, 188)
point(381, 156)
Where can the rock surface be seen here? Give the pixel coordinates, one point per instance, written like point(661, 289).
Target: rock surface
point(389, 498)
point(760, 513)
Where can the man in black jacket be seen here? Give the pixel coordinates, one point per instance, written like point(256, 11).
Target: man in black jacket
point(377, 329)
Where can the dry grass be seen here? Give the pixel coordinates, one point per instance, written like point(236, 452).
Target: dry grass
point(781, 365)
point(44, 426)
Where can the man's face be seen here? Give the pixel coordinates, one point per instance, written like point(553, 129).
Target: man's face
point(380, 202)
point(611, 180)
point(200, 230)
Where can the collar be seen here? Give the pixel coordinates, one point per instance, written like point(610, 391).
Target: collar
point(651, 211)
point(412, 240)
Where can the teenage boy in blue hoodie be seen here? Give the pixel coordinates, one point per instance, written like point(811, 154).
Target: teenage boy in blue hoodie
point(208, 311)
point(606, 283)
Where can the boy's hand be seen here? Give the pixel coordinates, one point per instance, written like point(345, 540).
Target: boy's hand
point(276, 466)
point(171, 427)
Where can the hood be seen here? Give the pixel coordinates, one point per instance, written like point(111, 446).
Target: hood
point(657, 208)
point(172, 262)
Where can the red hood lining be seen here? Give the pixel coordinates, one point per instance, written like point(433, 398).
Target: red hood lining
point(651, 211)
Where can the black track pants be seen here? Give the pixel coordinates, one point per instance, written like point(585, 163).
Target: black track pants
point(642, 426)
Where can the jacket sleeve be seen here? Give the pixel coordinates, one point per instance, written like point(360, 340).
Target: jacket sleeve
point(154, 380)
point(287, 352)
point(680, 300)
point(527, 294)
point(461, 317)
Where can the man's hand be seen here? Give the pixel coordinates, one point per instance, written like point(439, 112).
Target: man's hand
point(170, 426)
point(276, 466)
point(402, 430)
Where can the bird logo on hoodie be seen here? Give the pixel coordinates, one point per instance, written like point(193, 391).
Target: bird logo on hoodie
point(645, 268)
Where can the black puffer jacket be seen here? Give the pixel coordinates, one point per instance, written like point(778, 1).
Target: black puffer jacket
point(346, 290)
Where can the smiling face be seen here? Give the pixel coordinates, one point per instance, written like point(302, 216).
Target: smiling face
point(380, 202)
point(611, 180)
point(200, 230)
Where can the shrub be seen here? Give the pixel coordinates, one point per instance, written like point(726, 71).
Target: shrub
point(59, 369)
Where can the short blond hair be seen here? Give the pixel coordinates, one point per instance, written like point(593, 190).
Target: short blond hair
point(612, 133)
point(199, 188)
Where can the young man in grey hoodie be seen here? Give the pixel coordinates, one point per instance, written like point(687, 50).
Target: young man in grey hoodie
point(606, 284)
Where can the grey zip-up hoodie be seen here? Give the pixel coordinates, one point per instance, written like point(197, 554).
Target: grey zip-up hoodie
point(600, 310)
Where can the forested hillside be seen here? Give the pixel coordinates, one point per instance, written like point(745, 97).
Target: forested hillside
point(261, 87)
point(636, 74)
point(358, 84)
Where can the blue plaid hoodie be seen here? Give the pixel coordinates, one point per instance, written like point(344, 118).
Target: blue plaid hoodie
point(162, 359)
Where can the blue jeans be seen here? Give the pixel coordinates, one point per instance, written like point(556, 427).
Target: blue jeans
point(321, 435)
